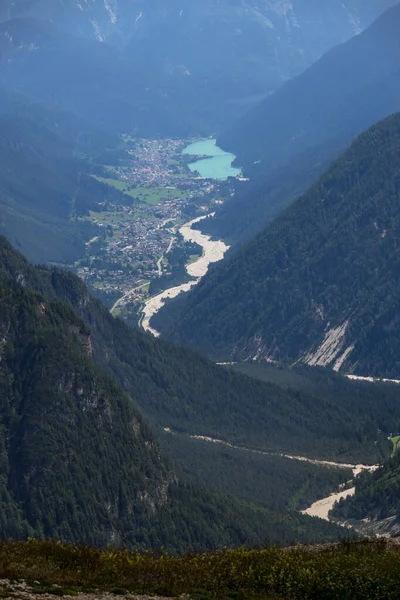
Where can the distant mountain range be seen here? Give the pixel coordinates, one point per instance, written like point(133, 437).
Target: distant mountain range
point(165, 68)
point(118, 21)
point(337, 97)
point(91, 79)
point(320, 284)
point(288, 140)
point(83, 92)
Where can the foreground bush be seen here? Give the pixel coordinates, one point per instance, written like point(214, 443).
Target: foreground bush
point(347, 571)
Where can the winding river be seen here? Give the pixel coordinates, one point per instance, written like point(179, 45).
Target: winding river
point(212, 163)
point(213, 251)
point(219, 166)
point(321, 508)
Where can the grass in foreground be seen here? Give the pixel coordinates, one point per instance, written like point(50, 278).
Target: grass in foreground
point(347, 571)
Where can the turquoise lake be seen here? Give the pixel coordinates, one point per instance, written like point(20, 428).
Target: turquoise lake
point(217, 165)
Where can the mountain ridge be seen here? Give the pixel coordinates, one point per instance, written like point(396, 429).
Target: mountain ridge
point(78, 461)
point(284, 145)
point(314, 287)
point(346, 72)
point(178, 389)
point(222, 81)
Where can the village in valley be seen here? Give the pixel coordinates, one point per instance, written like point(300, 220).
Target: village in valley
point(138, 233)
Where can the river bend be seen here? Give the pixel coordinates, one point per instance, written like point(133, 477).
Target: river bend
point(213, 251)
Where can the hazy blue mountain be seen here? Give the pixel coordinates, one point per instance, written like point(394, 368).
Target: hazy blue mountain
point(79, 133)
point(286, 141)
point(349, 88)
point(320, 284)
point(214, 59)
point(45, 182)
point(89, 78)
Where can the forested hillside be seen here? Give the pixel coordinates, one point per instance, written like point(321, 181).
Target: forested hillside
point(319, 285)
point(114, 438)
point(377, 496)
point(45, 182)
point(178, 389)
point(79, 462)
point(278, 483)
point(286, 140)
point(258, 201)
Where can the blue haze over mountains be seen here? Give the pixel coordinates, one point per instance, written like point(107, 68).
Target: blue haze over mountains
point(87, 71)
point(286, 86)
point(172, 66)
point(290, 138)
point(315, 285)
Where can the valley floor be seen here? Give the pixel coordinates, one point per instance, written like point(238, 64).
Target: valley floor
point(140, 238)
point(322, 508)
point(357, 469)
point(319, 508)
point(213, 251)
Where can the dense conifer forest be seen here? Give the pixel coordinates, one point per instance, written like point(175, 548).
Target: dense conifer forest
point(325, 269)
point(377, 496)
point(52, 348)
point(253, 476)
point(177, 388)
point(112, 439)
point(78, 460)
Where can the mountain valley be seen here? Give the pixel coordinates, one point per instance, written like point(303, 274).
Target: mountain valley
point(148, 53)
point(284, 146)
point(199, 256)
point(316, 286)
point(57, 344)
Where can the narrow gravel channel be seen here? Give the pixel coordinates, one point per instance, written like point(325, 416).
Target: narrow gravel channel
point(213, 251)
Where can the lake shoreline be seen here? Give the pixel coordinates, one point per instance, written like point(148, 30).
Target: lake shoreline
point(214, 163)
point(218, 166)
